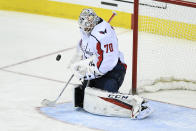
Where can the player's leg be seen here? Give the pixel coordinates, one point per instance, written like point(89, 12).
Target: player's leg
point(112, 80)
point(106, 103)
point(106, 84)
point(79, 94)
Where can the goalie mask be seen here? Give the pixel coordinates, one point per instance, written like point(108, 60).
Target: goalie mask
point(88, 20)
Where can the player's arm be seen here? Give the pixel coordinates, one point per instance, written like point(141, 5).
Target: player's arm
point(88, 69)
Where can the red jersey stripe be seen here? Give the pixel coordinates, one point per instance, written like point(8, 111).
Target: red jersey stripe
point(100, 52)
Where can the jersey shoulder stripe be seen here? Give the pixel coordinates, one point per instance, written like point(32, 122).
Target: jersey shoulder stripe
point(99, 52)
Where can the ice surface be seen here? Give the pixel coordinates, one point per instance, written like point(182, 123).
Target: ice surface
point(165, 117)
point(29, 72)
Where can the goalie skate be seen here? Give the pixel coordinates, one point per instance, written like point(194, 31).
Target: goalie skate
point(146, 110)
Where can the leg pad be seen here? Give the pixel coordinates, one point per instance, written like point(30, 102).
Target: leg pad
point(79, 96)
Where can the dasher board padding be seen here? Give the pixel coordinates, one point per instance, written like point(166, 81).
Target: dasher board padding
point(165, 117)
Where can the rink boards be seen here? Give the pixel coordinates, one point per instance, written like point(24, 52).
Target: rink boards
point(165, 117)
point(162, 19)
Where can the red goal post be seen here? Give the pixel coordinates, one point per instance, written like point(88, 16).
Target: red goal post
point(180, 2)
point(137, 26)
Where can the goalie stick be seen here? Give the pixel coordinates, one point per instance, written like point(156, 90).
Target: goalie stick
point(111, 17)
point(47, 102)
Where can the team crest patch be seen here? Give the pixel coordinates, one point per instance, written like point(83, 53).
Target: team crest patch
point(103, 32)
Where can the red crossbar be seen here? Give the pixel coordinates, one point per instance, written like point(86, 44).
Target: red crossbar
point(180, 2)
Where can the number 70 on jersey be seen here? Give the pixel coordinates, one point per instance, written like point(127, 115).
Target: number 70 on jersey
point(108, 47)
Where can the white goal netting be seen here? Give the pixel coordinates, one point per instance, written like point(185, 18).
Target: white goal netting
point(166, 47)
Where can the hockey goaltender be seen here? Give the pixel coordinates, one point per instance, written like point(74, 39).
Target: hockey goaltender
point(100, 66)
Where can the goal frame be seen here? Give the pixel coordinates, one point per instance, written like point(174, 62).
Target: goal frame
point(135, 35)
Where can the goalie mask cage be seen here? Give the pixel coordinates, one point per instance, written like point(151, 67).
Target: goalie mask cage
point(164, 45)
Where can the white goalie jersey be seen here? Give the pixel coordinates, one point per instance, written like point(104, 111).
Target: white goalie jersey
point(102, 43)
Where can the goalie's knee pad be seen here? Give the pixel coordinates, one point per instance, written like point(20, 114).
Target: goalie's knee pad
point(78, 96)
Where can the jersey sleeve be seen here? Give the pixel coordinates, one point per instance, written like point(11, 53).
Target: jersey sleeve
point(106, 48)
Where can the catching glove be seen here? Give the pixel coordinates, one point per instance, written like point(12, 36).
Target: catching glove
point(86, 69)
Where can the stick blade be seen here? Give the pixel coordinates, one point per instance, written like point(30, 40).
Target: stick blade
point(46, 102)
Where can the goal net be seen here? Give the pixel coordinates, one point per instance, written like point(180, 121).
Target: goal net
point(164, 45)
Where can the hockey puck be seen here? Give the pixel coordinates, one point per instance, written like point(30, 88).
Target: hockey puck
point(58, 57)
